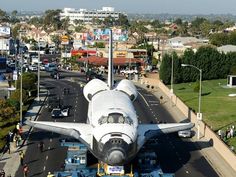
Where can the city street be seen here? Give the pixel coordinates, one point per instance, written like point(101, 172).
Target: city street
point(179, 156)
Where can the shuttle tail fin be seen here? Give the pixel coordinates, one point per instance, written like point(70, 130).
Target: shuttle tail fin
point(110, 64)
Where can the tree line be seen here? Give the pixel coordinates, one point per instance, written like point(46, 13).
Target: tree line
point(214, 65)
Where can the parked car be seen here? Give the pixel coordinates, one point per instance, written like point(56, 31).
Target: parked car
point(57, 112)
point(50, 67)
point(185, 133)
point(93, 75)
point(42, 67)
point(33, 68)
point(129, 71)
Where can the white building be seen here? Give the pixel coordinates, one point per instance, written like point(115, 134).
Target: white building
point(181, 42)
point(87, 16)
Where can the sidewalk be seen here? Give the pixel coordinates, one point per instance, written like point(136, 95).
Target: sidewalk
point(11, 162)
point(213, 157)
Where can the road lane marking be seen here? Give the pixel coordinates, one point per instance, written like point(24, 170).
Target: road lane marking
point(154, 104)
point(144, 99)
point(146, 94)
point(50, 139)
point(153, 101)
point(46, 157)
point(44, 168)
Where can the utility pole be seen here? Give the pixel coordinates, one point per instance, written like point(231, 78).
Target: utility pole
point(21, 102)
point(38, 70)
point(21, 82)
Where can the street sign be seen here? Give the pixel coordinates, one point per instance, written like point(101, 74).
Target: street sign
point(15, 76)
point(64, 40)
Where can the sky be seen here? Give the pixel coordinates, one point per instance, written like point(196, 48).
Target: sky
point(128, 6)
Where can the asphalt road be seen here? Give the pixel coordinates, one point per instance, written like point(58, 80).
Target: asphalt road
point(53, 157)
point(179, 156)
point(176, 155)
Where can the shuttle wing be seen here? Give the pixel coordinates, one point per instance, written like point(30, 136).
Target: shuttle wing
point(148, 131)
point(80, 131)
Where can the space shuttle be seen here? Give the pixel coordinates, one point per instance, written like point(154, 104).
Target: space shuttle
point(112, 132)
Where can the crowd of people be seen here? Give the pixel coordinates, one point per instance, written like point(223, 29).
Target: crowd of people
point(227, 134)
point(15, 137)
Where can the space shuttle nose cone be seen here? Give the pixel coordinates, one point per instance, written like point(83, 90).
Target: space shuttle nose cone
point(116, 157)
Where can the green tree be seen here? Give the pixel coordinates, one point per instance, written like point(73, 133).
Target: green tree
point(156, 24)
point(178, 21)
point(65, 23)
point(219, 39)
point(3, 16)
point(205, 28)
point(15, 30)
point(99, 45)
point(198, 21)
point(165, 69)
point(52, 19)
point(29, 80)
point(187, 72)
point(16, 96)
point(6, 110)
point(123, 21)
point(14, 17)
point(109, 21)
point(36, 21)
point(233, 69)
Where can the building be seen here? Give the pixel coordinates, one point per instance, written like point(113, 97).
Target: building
point(87, 16)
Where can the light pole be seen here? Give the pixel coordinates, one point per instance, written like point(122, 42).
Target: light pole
point(15, 63)
point(38, 69)
point(172, 74)
point(21, 75)
point(199, 114)
point(21, 71)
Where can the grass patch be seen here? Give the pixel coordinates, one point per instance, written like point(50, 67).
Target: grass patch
point(218, 109)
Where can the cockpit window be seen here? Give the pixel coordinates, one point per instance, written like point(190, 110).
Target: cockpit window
point(110, 119)
point(121, 119)
point(115, 118)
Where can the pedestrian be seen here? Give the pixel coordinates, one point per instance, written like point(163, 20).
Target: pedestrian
point(25, 170)
point(231, 132)
point(2, 173)
point(8, 147)
point(41, 146)
point(219, 133)
point(161, 98)
point(18, 140)
point(22, 155)
point(20, 131)
point(18, 127)
point(10, 134)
